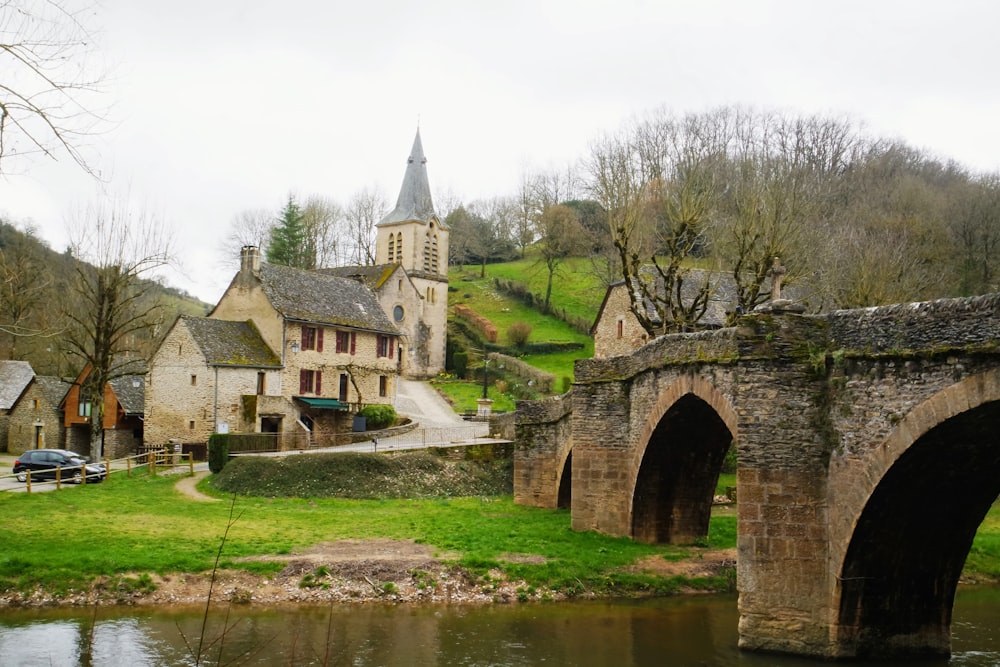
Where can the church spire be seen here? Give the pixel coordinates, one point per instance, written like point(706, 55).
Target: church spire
point(414, 201)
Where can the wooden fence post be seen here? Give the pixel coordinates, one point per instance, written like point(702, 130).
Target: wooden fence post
point(58, 478)
point(27, 481)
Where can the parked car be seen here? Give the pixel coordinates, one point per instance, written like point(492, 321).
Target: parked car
point(43, 464)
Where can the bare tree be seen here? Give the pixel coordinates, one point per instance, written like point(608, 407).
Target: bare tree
point(364, 210)
point(561, 236)
point(25, 288)
point(48, 90)
point(112, 310)
point(247, 228)
point(652, 181)
point(325, 222)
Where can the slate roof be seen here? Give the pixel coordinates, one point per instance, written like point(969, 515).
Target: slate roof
point(52, 388)
point(311, 296)
point(130, 390)
point(226, 343)
point(14, 378)
point(373, 276)
point(414, 201)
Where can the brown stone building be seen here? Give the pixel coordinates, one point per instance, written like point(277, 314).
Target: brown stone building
point(284, 351)
point(199, 378)
point(35, 420)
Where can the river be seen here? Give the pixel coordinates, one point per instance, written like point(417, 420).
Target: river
point(695, 631)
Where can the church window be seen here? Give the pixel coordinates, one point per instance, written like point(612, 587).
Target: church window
point(397, 313)
point(431, 253)
point(399, 248)
point(392, 248)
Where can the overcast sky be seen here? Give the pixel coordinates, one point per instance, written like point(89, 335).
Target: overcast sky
point(227, 105)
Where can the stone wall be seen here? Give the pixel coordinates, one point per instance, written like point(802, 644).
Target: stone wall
point(542, 442)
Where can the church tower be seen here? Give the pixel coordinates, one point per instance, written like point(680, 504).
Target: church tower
point(413, 236)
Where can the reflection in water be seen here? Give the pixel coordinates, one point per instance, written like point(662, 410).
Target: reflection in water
point(688, 631)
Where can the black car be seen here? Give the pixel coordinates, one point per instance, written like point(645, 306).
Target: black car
point(43, 464)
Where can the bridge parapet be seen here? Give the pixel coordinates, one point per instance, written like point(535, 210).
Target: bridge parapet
point(941, 325)
point(682, 348)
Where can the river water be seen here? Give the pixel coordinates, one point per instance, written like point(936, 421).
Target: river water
point(698, 631)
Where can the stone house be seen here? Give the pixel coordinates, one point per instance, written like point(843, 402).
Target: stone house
point(410, 276)
point(617, 331)
point(36, 419)
point(206, 375)
point(123, 415)
point(15, 376)
point(284, 351)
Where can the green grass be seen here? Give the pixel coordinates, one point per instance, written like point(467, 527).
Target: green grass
point(126, 528)
point(142, 525)
point(575, 288)
point(463, 394)
point(481, 296)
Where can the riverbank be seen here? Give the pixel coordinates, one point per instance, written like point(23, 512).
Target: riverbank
point(362, 571)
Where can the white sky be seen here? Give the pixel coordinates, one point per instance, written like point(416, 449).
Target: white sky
point(227, 105)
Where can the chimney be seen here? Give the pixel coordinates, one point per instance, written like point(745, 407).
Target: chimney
point(250, 260)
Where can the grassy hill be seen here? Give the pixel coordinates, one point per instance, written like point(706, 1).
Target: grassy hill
point(576, 295)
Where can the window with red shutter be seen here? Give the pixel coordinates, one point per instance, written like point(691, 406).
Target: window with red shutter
point(319, 340)
point(302, 381)
point(319, 383)
point(352, 342)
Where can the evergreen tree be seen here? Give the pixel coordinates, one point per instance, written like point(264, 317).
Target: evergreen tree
point(288, 244)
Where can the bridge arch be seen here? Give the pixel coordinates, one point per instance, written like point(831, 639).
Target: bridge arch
point(904, 517)
point(676, 464)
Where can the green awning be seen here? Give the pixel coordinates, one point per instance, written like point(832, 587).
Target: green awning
point(322, 403)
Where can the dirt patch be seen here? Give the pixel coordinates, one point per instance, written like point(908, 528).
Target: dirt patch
point(702, 563)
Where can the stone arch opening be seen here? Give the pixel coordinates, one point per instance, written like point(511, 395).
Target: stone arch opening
point(676, 479)
point(564, 498)
point(910, 541)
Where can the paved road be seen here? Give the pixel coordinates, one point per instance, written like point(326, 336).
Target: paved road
point(422, 403)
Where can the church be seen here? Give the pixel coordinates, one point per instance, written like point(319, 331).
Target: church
point(410, 275)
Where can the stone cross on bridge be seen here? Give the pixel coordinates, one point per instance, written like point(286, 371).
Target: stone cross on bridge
point(863, 437)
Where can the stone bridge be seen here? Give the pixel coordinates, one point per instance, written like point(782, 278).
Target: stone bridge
point(868, 455)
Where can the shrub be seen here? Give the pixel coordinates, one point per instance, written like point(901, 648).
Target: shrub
point(378, 416)
point(218, 452)
point(729, 463)
point(460, 363)
point(480, 323)
point(518, 333)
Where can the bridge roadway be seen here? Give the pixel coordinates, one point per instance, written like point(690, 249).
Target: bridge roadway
point(867, 458)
